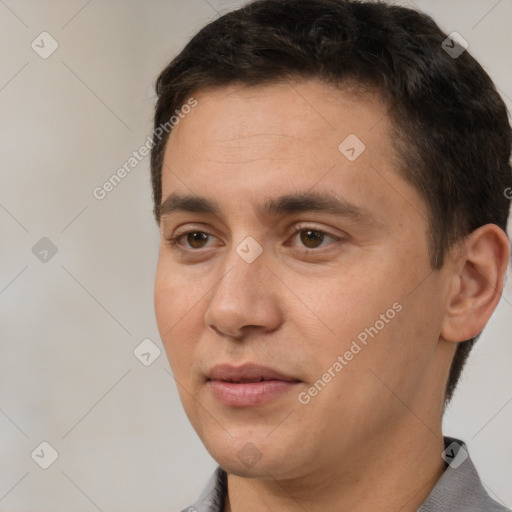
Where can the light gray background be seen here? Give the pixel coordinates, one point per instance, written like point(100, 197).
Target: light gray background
point(69, 325)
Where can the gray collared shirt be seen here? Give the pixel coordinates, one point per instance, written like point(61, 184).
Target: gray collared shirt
point(458, 490)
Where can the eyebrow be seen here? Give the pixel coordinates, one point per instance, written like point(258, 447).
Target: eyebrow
point(273, 207)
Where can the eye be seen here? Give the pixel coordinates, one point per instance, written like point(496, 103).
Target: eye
point(195, 238)
point(312, 238)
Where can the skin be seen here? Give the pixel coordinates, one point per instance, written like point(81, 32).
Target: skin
point(377, 425)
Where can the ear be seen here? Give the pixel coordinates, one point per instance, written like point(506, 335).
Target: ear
point(478, 277)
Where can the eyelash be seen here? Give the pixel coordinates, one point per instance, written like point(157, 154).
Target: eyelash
point(175, 245)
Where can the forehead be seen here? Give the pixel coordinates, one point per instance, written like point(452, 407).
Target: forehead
point(281, 116)
point(243, 143)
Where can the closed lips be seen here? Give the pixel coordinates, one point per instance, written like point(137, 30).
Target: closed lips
point(244, 381)
point(248, 373)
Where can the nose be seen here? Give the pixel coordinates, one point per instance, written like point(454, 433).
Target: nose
point(244, 299)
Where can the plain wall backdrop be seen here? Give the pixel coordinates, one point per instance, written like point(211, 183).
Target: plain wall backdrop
point(71, 319)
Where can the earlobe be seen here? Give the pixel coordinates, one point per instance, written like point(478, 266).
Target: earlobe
point(477, 284)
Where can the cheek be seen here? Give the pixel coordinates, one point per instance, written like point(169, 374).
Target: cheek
point(176, 310)
point(366, 315)
point(165, 301)
point(174, 295)
point(342, 304)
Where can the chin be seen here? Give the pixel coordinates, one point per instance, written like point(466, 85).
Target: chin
point(246, 459)
point(261, 469)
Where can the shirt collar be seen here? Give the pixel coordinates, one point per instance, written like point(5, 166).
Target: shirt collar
point(212, 497)
point(460, 487)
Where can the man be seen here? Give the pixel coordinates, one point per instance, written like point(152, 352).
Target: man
point(332, 204)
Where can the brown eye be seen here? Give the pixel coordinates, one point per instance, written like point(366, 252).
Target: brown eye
point(196, 239)
point(311, 238)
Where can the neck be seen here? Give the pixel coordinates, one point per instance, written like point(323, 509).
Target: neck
point(396, 471)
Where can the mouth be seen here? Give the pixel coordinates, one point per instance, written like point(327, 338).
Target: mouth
point(247, 373)
point(248, 385)
point(245, 380)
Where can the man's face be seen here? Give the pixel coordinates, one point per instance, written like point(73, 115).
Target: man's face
point(297, 290)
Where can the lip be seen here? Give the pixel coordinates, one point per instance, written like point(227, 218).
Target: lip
point(241, 386)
